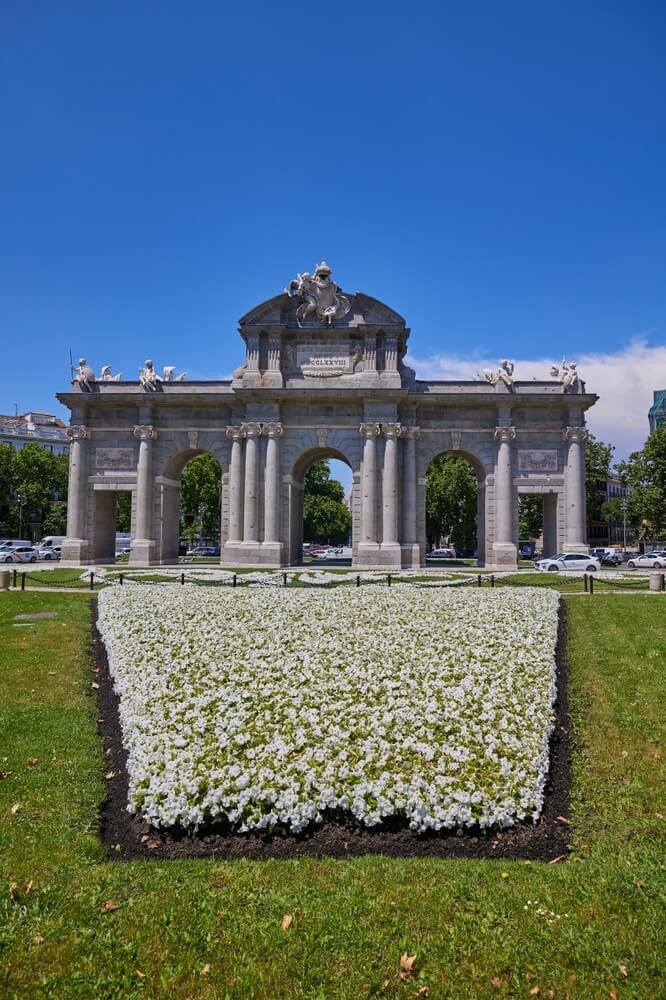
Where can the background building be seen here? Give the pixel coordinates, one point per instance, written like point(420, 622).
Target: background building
point(605, 532)
point(35, 427)
point(657, 412)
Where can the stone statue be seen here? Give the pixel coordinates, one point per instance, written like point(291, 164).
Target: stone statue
point(83, 375)
point(319, 295)
point(503, 374)
point(567, 374)
point(168, 374)
point(106, 376)
point(149, 378)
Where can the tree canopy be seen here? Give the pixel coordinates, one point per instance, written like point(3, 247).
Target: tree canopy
point(325, 516)
point(200, 498)
point(33, 492)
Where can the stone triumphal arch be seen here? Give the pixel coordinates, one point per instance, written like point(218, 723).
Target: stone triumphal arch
point(323, 376)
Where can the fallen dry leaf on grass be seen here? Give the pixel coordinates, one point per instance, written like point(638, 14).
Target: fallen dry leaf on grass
point(15, 808)
point(205, 970)
point(386, 984)
point(109, 775)
point(28, 887)
point(13, 889)
point(623, 970)
point(535, 991)
point(4, 774)
point(140, 974)
point(33, 761)
point(496, 982)
point(563, 819)
point(38, 939)
point(109, 906)
point(423, 991)
point(95, 685)
point(287, 921)
point(612, 993)
point(407, 967)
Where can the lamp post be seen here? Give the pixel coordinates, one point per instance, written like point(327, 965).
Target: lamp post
point(21, 500)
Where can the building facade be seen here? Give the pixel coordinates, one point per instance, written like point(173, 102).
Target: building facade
point(323, 377)
point(36, 427)
point(657, 412)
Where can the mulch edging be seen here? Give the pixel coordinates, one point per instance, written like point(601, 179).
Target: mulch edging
point(128, 837)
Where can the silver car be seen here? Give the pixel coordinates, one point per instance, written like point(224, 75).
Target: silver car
point(569, 561)
point(649, 560)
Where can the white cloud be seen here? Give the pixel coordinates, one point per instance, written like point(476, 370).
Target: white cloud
point(624, 382)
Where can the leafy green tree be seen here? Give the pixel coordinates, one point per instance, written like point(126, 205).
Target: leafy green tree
point(451, 490)
point(200, 498)
point(530, 517)
point(124, 512)
point(7, 454)
point(598, 458)
point(33, 492)
point(645, 475)
point(325, 516)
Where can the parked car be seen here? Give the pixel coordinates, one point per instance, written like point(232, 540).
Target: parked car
point(442, 554)
point(20, 554)
point(12, 543)
point(204, 550)
point(649, 560)
point(47, 552)
point(569, 561)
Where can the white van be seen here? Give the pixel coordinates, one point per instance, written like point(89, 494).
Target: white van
point(13, 543)
point(51, 542)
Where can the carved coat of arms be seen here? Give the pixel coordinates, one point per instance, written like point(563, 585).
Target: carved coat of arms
point(319, 296)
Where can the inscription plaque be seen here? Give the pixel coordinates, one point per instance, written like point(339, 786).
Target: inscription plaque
point(538, 460)
point(114, 458)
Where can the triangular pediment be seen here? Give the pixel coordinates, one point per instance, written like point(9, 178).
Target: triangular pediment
point(281, 311)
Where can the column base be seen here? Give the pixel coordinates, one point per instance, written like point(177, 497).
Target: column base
point(143, 552)
point(412, 555)
point(245, 554)
point(390, 555)
point(505, 556)
point(367, 556)
point(576, 547)
point(75, 551)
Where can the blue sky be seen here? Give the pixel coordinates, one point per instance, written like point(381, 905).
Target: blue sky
point(495, 172)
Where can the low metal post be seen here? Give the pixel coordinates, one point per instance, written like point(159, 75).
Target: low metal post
point(492, 579)
point(92, 579)
point(358, 580)
point(591, 584)
point(389, 579)
point(121, 579)
point(182, 579)
point(233, 582)
point(284, 579)
point(585, 581)
point(22, 581)
point(14, 583)
point(478, 580)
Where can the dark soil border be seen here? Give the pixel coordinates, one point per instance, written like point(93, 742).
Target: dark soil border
point(127, 837)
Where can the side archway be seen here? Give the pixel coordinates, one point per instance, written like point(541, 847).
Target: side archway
point(457, 517)
point(170, 503)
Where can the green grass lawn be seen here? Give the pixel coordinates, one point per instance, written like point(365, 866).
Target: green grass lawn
point(213, 930)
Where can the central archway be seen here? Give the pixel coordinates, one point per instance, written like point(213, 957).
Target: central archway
point(203, 512)
point(297, 493)
point(454, 505)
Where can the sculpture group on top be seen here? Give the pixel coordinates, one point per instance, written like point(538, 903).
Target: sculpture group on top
point(84, 375)
point(567, 374)
point(503, 374)
point(319, 295)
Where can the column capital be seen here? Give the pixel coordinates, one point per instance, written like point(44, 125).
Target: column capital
point(235, 432)
point(251, 430)
point(505, 433)
point(392, 430)
point(145, 432)
point(410, 432)
point(78, 432)
point(272, 430)
point(370, 430)
point(579, 434)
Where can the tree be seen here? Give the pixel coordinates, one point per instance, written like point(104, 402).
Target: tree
point(124, 512)
point(598, 457)
point(530, 517)
point(33, 491)
point(451, 490)
point(325, 516)
point(200, 498)
point(645, 475)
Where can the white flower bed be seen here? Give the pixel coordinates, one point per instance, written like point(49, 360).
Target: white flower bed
point(267, 707)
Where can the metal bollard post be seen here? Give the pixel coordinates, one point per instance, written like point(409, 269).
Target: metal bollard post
point(284, 579)
point(585, 581)
point(492, 579)
point(182, 579)
point(233, 583)
point(14, 583)
point(92, 579)
point(591, 584)
point(121, 579)
point(478, 580)
point(22, 581)
point(358, 580)
point(389, 579)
